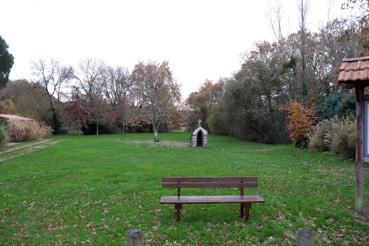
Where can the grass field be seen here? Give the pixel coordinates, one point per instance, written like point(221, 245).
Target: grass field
point(92, 190)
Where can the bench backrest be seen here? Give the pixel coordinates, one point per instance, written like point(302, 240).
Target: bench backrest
point(210, 182)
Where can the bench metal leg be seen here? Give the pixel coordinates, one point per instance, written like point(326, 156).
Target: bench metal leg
point(247, 211)
point(178, 212)
point(242, 210)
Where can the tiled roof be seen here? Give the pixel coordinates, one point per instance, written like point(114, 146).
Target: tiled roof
point(354, 70)
point(14, 117)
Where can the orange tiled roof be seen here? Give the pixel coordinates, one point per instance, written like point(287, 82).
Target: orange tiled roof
point(354, 70)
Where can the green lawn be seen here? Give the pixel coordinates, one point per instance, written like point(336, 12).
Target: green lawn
point(92, 190)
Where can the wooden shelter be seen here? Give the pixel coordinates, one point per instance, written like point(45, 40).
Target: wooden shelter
point(354, 73)
point(199, 138)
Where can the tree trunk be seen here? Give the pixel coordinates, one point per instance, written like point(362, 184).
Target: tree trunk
point(156, 135)
point(55, 126)
point(97, 128)
point(359, 166)
point(123, 126)
point(302, 5)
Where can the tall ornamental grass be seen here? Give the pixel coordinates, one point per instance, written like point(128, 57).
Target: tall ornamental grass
point(21, 131)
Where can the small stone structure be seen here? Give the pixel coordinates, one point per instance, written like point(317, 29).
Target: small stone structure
point(199, 138)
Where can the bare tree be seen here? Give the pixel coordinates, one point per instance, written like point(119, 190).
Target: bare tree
point(275, 19)
point(117, 89)
point(90, 77)
point(116, 84)
point(100, 112)
point(90, 80)
point(124, 112)
point(303, 8)
point(157, 92)
point(51, 77)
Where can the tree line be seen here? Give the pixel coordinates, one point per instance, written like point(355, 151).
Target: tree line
point(95, 97)
point(252, 104)
point(302, 67)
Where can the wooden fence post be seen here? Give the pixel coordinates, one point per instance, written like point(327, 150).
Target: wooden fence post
point(359, 167)
point(305, 237)
point(135, 238)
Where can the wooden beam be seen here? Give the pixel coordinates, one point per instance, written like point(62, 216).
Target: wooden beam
point(359, 166)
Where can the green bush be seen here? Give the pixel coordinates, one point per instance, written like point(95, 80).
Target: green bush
point(337, 104)
point(3, 138)
point(336, 135)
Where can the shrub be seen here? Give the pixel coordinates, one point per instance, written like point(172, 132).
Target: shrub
point(342, 137)
point(337, 104)
point(300, 122)
point(318, 138)
point(3, 138)
point(336, 135)
point(20, 131)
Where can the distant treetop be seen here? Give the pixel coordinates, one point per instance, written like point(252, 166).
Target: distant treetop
point(6, 62)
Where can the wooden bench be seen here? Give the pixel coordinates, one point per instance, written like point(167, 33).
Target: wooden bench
point(245, 201)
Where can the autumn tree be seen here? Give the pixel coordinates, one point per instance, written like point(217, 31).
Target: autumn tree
point(77, 110)
point(51, 77)
point(157, 91)
point(300, 122)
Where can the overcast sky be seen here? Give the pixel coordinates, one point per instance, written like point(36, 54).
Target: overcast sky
point(201, 39)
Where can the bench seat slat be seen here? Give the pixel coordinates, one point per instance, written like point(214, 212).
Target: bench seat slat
point(210, 199)
point(210, 185)
point(210, 179)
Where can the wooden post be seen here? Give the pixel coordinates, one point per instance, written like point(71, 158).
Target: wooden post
point(178, 211)
point(247, 207)
point(135, 238)
point(305, 237)
point(242, 210)
point(242, 205)
point(359, 166)
point(178, 191)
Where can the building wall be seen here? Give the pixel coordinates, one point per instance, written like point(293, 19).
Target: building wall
point(193, 142)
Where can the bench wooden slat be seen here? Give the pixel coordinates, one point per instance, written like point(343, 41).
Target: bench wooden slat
point(210, 179)
point(210, 185)
point(210, 199)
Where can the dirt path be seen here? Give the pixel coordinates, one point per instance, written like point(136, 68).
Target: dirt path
point(25, 149)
